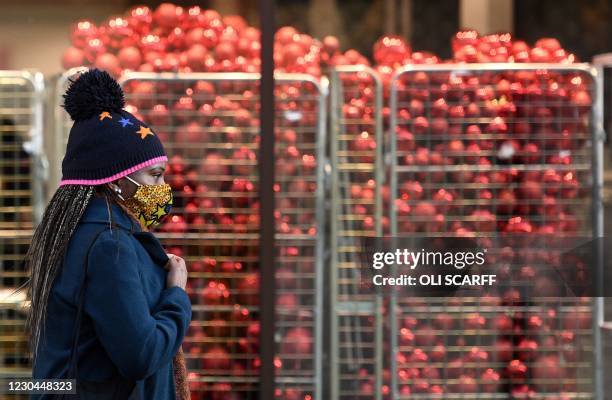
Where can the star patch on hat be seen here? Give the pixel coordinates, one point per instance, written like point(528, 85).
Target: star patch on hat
point(144, 131)
point(105, 114)
point(125, 122)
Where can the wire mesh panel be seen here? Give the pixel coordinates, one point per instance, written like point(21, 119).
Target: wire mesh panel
point(356, 212)
point(21, 180)
point(209, 124)
point(300, 127)
point(489, 151)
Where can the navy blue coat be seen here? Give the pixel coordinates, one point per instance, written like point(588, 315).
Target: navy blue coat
point(132, 325)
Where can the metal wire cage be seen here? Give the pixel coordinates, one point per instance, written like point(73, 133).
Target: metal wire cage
point(22, 173)
point(356, 318)
point(209, 125)
point(467, 144)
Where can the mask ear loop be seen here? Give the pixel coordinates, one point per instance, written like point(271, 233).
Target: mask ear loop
point(133, 181)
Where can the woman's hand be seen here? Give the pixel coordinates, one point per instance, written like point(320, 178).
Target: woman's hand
point(177, 272)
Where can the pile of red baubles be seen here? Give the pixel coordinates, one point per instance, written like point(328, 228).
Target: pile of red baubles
point(171, 38)
point(479, 121)
point(498, 122)
point(177, 39)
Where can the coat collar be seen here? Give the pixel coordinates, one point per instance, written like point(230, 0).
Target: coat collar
point(97, 213)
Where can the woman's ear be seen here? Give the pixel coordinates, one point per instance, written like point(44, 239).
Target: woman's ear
point(128, 189)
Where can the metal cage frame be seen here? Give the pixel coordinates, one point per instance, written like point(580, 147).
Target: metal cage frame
point(280, 78)
point(597, 137)
point(373, 306)
point(35, 146)
point(10, 302)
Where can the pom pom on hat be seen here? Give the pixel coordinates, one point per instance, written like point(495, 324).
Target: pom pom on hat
point(91, 93)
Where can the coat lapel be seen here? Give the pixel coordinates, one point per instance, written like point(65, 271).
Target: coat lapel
point(153, 246)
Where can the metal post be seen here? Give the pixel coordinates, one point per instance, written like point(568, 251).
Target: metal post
point(333, 278)
point(41, 169)
point(393, 325)
point(598, 233)
point(320, 216)
point(378, 214)
point(266, 164)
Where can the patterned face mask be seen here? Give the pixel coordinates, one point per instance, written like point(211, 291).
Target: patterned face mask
point(150, 204)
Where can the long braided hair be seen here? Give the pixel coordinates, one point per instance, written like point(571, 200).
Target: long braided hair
point(49, 243)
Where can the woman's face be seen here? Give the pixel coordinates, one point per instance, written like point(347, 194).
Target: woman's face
point(152, 175)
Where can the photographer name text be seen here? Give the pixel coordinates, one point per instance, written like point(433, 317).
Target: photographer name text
point(435, 280)
point(408, 260)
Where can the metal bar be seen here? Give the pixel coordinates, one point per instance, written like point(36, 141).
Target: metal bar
point(480, 168)
point(393, 231)
point(320, 217)
point(266, 165)
point(37, 145)
point(598, 233)
point(218, 76)
point(458, 68)
point(213, 76)
point(378, 214)
point(333, 278)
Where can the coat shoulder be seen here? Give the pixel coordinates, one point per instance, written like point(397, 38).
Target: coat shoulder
point(91, 235)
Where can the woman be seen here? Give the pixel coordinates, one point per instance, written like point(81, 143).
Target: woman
point(108, 306)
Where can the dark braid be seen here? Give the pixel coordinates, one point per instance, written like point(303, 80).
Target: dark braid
point(49, 243)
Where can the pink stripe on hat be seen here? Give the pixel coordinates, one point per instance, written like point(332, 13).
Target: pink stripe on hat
point(91, 182)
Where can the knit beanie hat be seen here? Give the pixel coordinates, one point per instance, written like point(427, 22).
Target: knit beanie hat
point(106, 142)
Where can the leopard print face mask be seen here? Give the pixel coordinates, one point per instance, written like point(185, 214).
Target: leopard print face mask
point(150, 204)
